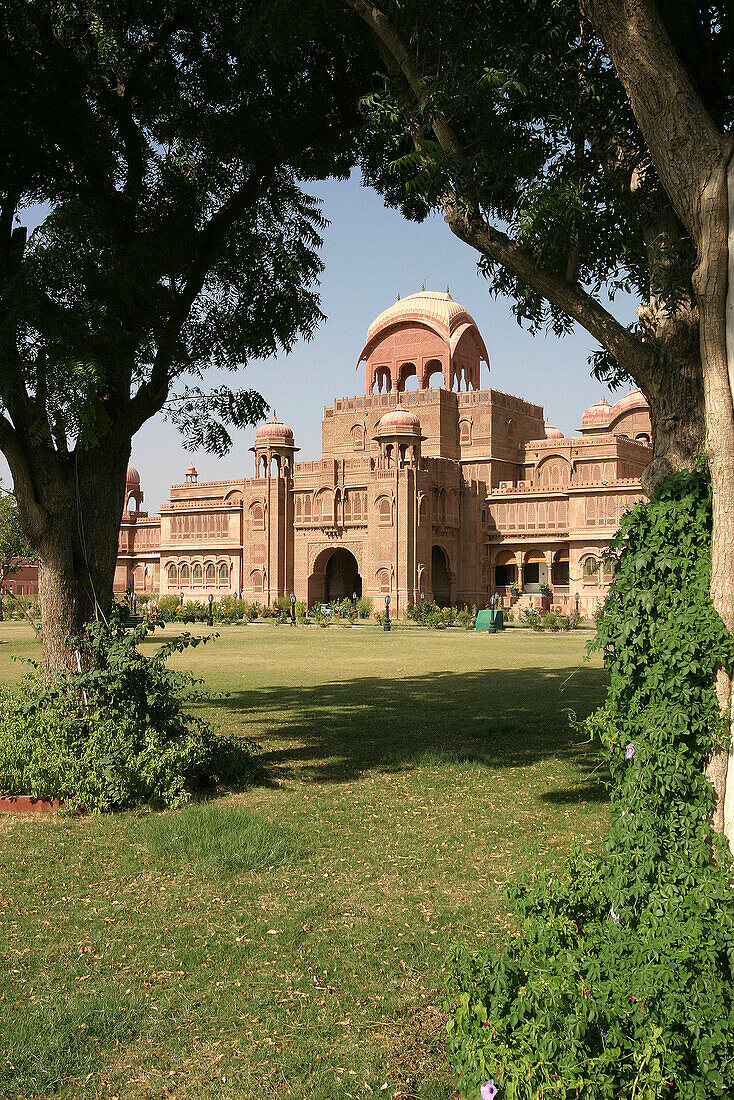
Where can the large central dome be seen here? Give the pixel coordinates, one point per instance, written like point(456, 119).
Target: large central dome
point(423, 334)
point(425, 304)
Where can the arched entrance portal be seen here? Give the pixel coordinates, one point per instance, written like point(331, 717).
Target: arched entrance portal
point(441, 578)
point(335, 577)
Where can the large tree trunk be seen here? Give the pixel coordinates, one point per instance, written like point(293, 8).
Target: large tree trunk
point(711, 290)
point(82, 497)
point(694, 162)
point(673, 386)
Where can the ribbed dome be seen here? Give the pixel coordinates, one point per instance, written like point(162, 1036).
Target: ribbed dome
point(553, 433)
point(399, 421)
point(274, 432)
point(431, 304)
point(191, 469)
point(132, 478)
point(597, 414)
point(635, 399)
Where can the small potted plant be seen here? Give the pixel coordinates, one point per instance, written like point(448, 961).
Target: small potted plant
point(515, 591)
point(545, 596)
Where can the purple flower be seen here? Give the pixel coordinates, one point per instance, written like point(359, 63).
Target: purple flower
point(614, 914)
point(488, 1091)
point(629, 752)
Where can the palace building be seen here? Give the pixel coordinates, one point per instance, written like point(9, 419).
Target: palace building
point(428, 487)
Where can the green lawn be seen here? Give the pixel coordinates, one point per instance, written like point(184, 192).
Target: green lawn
point(292, 940)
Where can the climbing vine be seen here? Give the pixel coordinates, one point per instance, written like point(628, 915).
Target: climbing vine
point(620, 981)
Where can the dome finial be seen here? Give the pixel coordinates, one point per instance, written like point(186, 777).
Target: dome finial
point(423, 286)
point(447, 290)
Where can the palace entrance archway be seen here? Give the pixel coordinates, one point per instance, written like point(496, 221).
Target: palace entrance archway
point(441, 577)
point(335, 577)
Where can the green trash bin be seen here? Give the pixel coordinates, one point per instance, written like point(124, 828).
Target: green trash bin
point(499, 619)
point(484, 620)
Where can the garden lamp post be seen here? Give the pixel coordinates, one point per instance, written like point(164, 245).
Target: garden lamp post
point(578, 601)
point(354, 603)
point(180, 599)
point(210, 616)
point(386, 624)
point(293, 608)
point(492, 610)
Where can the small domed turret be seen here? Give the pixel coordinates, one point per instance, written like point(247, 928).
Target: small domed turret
point(399, 421)
point(274, 432)
point(553, 433)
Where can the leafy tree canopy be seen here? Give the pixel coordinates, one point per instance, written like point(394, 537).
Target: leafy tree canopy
point(169, 139)
point(515, 112)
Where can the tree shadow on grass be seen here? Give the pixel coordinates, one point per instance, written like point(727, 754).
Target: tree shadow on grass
point(336, 731)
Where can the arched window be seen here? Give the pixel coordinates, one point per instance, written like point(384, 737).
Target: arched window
point(257, 515)
point(307, 508)
point(197, 576)
point(223, 575)
point(184, 575)
point(347, 507)
point(357, 438)
point(172, 576)
point(210, 575)
point(590, 570)
point(257, 580)
point(465, 432)
point(383, 581)
point(384, 512)
point(325, 506)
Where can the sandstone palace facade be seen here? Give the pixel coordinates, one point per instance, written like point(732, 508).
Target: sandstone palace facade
point(427, 487)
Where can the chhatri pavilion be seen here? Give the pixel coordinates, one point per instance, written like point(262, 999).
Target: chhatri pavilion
point(428, 487)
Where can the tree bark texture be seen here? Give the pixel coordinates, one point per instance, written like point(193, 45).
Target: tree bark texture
point(711, 290)
point(693, 161)
point(673, 386)
point(79, 498)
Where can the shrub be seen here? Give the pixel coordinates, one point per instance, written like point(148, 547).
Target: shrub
point(167, 607)
point(364, 607)
point(551, 621)
point(620, 982)
point(530, 617)
point(229, 609)
point(115, 736)
point(466, 618)
point(21, 607)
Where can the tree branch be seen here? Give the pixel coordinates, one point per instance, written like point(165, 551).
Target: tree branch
point(678, 130)
point(631, 353)
point(152, 395)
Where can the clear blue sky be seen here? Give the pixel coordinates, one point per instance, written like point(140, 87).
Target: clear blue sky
point(372, 254)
